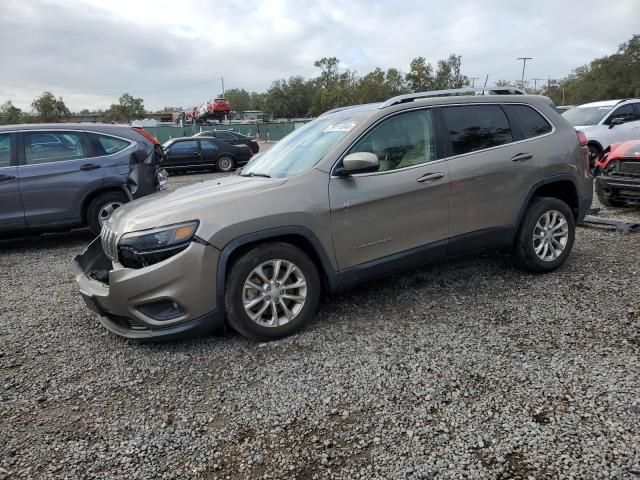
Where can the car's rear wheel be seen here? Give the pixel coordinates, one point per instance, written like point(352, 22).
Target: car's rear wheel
point(225, 164)
point(101, 208)
point(272, 291)
point(546, 235)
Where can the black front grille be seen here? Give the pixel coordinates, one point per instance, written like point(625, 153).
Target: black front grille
point(630, 168)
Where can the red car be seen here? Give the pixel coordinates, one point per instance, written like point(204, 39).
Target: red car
point(618, 170)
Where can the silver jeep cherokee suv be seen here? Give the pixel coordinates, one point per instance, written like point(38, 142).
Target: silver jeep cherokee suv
point(358, 193)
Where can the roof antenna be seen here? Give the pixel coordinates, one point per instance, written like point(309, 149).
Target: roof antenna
point(485, 83)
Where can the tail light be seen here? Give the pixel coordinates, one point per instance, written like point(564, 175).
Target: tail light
point(146, 135)
point(582, 138)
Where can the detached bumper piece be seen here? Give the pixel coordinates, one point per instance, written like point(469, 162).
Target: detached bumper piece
point(168, 300)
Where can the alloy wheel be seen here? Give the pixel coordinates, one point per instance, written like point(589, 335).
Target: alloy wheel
point(274, 293)
point(550, 235)
point(106, 211)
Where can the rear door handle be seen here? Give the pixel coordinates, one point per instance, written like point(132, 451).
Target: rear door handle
point(4, 178)
point(427, 177)
point(89, 166)
point(521, 157)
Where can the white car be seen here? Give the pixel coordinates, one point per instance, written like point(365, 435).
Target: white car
point(605, 123)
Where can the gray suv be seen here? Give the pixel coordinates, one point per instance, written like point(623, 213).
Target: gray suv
point(60, 176)
point(358, 193)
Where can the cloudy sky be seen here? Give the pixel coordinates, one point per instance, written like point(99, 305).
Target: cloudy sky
point(173, 52)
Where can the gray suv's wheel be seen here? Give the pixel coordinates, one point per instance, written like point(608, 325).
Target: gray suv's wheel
point(101, 208)
point(272, 291)
point(546, 235)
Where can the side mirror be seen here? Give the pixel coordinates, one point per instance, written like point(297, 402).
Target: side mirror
point(359, 162)
point(616, 121)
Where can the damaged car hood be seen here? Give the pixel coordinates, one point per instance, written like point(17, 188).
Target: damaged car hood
point(188, 203)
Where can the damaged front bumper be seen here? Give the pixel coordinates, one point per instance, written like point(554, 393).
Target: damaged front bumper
point(171, 299)
point(617, 187)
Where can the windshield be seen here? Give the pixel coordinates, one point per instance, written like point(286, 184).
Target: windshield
point(302, 149)
point(586, 115)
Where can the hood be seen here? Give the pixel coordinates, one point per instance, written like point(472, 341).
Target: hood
point(628, 150)
point(188, 203)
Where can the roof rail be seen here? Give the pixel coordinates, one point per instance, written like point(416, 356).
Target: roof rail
point(410, 97)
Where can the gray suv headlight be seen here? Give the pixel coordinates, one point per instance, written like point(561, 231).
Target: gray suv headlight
point(147, 247)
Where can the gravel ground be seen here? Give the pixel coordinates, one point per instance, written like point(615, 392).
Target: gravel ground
point(466, 370)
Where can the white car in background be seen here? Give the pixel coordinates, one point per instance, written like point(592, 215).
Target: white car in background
point(605, 123)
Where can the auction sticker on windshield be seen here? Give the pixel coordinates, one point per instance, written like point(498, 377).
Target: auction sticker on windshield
point(340, 127)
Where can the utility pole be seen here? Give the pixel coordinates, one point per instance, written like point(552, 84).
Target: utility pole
point(222, 78)
point(535, 83)
point(524, 64)
point(473, 81)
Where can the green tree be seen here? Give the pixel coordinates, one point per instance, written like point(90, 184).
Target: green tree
point(395, 81)
point(328, 71)
point(373, 87)
point(257, 101)
point(448, 74)
point(10, 114)
point(420, 76)
point(239, 99)
point(49, 109)
point(128, 108)
point(289, 98)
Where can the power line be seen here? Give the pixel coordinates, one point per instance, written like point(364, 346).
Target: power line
point(67, 92)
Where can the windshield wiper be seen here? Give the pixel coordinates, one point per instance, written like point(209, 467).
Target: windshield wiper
point(253, 174)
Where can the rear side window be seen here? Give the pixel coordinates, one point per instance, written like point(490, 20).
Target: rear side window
point(5, 149)
point(55, 146)
point(208, 146)
point(476, 127)
point(111, 144)
point(531, 123)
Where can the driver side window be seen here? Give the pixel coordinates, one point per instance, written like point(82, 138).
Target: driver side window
point(404, 140)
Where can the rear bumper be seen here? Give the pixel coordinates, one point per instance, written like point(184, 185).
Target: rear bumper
point(619, 187)
point(126, 300)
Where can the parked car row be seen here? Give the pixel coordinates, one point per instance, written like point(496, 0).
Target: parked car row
point(223, 150)
point(357, 193)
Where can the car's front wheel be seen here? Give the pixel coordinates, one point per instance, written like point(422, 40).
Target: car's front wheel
point(225, 164)
point(546, 235)
point(272, 291)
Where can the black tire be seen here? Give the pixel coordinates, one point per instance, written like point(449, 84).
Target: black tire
point(523, 249)
point(240, 271)
point(225, 164)
point(95, 209)
point(606, 199)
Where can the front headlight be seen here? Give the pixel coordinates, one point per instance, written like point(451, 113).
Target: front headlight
point(147, 247)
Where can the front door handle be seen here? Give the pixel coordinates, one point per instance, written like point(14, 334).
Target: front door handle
point(89, 166)
point(4, 178)
point(521, 157)
point(427, 177)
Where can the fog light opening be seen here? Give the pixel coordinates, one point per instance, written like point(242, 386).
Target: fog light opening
point(162, 310)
